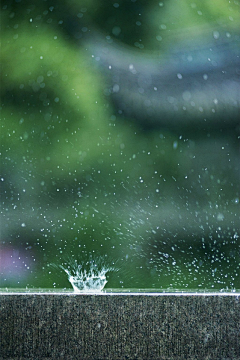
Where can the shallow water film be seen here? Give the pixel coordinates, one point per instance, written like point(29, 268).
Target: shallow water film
point(120, 146)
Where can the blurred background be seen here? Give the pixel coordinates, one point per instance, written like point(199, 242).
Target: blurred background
point(83, 177)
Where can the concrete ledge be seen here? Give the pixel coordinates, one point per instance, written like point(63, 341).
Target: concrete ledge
point(119, 326)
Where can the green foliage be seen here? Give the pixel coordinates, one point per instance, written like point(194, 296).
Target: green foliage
point(77, 175)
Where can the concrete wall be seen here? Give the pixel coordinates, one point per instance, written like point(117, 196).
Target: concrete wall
point(119, 326)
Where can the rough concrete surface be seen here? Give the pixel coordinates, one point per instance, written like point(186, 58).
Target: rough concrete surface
point(78, 326)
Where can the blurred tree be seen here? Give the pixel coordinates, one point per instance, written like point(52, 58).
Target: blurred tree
point(77, 178)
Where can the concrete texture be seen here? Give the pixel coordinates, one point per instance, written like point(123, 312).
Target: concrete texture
point(119, 326)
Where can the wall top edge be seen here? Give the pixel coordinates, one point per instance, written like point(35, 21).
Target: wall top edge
point(115, 293)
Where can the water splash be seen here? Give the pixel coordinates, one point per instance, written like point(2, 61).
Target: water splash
point(89, 277)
